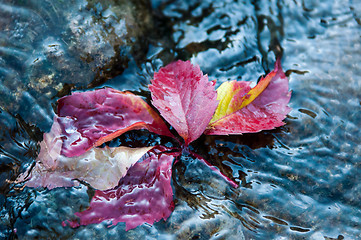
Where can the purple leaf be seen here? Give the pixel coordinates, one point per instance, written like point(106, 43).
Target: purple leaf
point(144, 195)
point(185, 98)
point(88, 119)
point(102, 168)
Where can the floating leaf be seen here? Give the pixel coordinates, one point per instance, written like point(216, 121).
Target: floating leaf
point(134, 185)
point(102, 168)
point(185, 98)
point(245, 110)
point(144, 195)
point(89, 119)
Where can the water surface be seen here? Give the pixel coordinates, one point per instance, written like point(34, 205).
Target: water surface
point(300, 181)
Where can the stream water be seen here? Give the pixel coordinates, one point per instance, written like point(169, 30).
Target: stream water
point(300, 181)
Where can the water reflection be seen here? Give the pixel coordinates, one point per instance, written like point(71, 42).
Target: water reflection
point(299, 181)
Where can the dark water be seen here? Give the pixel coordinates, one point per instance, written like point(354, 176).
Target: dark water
point(301, 181)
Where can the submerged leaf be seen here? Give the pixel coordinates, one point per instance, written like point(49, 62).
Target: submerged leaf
point(185, 98)
point(214, 169)
point(245, 110)
point(88, 119)
point(144, 195)
point(102, 168)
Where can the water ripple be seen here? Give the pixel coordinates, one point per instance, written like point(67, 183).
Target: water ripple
point(299, 181)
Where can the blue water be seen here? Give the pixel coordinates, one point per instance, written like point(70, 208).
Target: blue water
point(301, 181)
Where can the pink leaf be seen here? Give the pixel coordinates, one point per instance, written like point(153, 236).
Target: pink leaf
point(102, 168)
point(246, 110)
point(185, 98)
point(92, 118)
point(144, 195)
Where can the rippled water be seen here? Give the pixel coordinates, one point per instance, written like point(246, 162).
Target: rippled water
point(301, 181)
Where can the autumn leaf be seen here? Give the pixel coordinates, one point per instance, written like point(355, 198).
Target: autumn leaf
point(185, 98)
point(134, 184)
point(144, 195)
point(102, 168)
point(243, 109)
point(88, 119)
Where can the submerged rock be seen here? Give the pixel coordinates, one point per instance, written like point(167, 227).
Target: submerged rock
point(50, 48)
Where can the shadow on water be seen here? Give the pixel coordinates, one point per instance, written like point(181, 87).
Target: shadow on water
point(299, 181)
point(18, 149)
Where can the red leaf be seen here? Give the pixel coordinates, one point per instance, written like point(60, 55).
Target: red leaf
point(144, 195)
point(185, 98)
point(88, 119)
point(245, 110)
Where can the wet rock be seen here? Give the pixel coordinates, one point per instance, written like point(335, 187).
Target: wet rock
point(73, 45)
